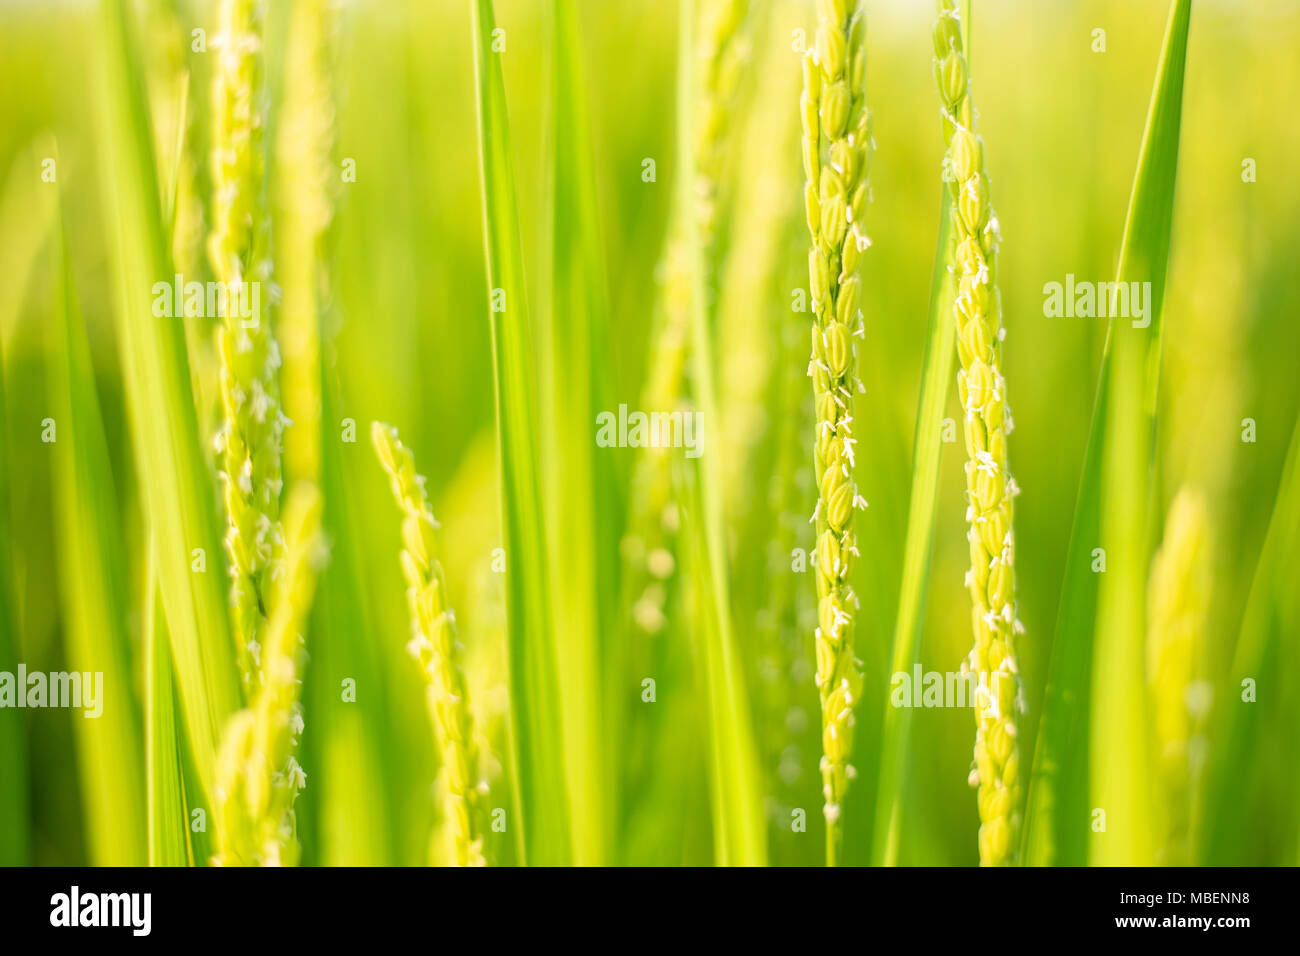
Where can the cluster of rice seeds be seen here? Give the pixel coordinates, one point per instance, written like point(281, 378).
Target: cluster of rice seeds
point(258, 776)
point(722, 49)
point(836, 148)
point(754, 276)
point(1177, 612)
point(174, 132)
point(648, 547)
point(304, 138)
point(249, 440)
point(433, 644)
point(990, 488)
point(652, 525)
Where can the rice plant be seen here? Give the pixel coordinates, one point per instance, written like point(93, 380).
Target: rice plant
point(1181, 694)
point(836, 123)
point(258, 773)
point(237, 233)
point(251, 434)
point(990, 489)
point(433, 645)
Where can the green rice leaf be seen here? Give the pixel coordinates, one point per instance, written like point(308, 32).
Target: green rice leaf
point(740, 837)
point(347, 802)
point(94, 596)
point(1253, 808)
point(1096, 689)
point(541, 818)
point(927, 452)
point(15, 826)
point(580, 479)
point(178, 491)
point(168, 827)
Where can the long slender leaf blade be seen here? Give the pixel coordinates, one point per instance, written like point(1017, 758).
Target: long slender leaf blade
point(14, 823)
point(177, 487)
point(1119, 775)
point(348, 802)
point(579, 479)
point(168, 842)
point(541, 802)
point(739, 826)
point(1258, 708)
point(93, 592)
point(927, 452)
point(1111, 605)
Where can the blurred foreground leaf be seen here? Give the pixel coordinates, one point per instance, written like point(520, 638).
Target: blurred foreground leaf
point(178, 492)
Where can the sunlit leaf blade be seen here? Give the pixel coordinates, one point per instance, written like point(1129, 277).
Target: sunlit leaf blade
point(14, 824)
point(740, 837)
point(1096, 690)
point(346, 802)
point(579, 477)
point(168, 843)
point(927, 451)
point(542, 807)
point(178, 490)
point(1253, 807)
point(93, 594)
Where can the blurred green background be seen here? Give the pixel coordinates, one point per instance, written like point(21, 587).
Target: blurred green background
point(407, 341)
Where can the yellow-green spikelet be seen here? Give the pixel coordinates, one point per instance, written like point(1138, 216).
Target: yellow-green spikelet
point(249, 442)
point(434, 646)
point(1177, 612)
point(648, 546)
point(722, 48)
point(258, 776)
point(305, 134)
point(989, 485)
point(836, 146)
